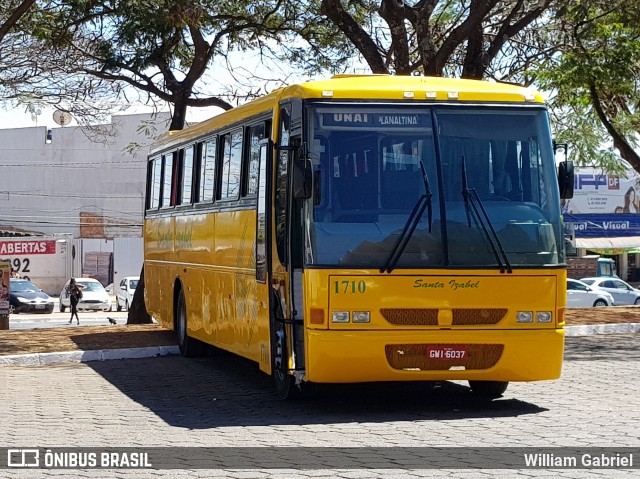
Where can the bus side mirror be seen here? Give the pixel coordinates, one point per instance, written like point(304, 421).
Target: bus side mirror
point(302, 179)
point(565, 179)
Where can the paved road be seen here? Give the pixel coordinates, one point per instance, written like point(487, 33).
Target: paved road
point(57, 319)
point(226, 401)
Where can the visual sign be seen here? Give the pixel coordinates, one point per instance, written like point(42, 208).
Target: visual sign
point(603, 205)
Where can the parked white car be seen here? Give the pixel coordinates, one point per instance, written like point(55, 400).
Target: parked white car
point(622, 292)
point(124, 292)
point(581, 295)
point(94, 296)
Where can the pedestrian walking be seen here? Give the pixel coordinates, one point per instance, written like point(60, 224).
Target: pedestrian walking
point(74, 291)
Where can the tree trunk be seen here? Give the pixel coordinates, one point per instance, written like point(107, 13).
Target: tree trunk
point(137, 309)
point(179, 118)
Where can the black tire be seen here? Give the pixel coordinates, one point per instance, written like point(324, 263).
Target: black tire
point(118, 307)
point(62, 308)
point(637, 301)
point(599, 302)
point(286, 387)
point(488, 389)
point(126, 305)
point(189, 347)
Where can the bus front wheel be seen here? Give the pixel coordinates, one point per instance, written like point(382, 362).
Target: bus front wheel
point(488, 389)
point(189, 347)
point(283, 381)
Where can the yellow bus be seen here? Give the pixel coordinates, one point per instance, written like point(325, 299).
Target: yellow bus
point(365, 228)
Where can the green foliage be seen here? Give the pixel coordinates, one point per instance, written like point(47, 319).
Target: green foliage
point(595, 81)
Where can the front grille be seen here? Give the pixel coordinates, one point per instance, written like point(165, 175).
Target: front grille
point(411, 316)
point(415, 356)
point(472, 316)
point(429, 316)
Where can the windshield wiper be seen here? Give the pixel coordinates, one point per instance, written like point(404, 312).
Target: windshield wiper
point(472, 203)
point(424, 202)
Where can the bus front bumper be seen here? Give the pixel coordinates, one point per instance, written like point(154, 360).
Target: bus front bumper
point(483, 355)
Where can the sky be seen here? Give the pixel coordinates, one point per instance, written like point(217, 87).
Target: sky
point(20, 118)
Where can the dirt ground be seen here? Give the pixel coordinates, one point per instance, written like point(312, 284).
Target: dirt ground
point(136, 336)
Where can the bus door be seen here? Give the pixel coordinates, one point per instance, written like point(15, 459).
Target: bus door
point(262, 253)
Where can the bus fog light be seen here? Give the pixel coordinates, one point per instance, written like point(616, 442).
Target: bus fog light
point(361, 317)
point(340, 317)
point(524, 317)
point(543, 316)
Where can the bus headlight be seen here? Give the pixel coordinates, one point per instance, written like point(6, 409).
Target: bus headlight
point(340, 317)
point(543, 317)
point(524, 317)
point(361, 317)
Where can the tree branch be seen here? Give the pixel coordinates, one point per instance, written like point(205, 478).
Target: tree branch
point(619, 141)
point(334, 10)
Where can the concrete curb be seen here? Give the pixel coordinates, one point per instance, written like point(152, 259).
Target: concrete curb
point(614, 328)
point(40, 359)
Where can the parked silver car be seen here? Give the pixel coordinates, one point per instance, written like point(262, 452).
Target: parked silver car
point(622, 292)
point(94, 296)
point(581, 295)
point(124, 292)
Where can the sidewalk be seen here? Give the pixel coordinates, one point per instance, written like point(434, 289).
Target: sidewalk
point(101, 343)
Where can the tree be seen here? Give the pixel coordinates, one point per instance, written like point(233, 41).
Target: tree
point(11, 14)
point(162, 48)
point(472, 39)
point(595, 81)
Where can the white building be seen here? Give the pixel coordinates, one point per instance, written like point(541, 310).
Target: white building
point(81, 181)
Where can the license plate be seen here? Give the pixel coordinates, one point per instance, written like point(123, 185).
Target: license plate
point(39, 306)
point(446, 353)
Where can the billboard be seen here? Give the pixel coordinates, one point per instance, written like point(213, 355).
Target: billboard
point(604, 205)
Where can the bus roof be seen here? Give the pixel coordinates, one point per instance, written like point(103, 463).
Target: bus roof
point(363, 87)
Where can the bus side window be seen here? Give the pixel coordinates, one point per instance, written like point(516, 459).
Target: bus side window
point(255, 134)
point(207, 171)
point(168, 197)
point(153, 182)
point(186, 175)
point(231, 164)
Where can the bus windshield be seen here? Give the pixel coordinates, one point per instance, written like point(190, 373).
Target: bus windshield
point(373, 164)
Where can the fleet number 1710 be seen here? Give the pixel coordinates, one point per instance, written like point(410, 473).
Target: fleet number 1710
point(349, 286)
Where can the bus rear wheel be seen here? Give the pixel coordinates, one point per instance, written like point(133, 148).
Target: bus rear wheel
point(189, 347)
point(488, 389)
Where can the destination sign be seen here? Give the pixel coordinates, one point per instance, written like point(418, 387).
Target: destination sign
point(376, 120)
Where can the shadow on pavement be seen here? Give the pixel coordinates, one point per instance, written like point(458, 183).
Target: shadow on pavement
point(225, 390)
point(607, 347)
